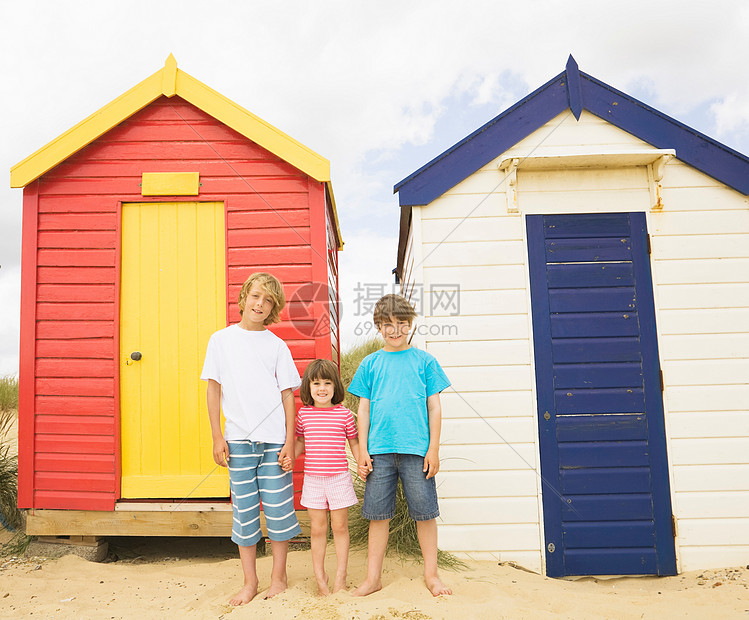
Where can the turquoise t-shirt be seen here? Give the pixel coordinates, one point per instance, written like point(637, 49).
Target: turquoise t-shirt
point(397, 385)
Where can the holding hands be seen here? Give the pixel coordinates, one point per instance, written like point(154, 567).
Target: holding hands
point(285, 461)
point(286, 464)
point(364, 464)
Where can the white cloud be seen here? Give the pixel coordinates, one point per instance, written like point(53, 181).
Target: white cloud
point(732, 116)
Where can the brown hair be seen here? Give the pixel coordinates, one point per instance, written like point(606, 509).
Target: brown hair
point(393, 306)
point(272, 287)
point(317, 370)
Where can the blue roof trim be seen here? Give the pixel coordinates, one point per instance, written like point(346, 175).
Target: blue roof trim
point(663, 132)
point(572, 89)
point(479, 148)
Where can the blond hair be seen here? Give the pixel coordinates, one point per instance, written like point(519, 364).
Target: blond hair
point(321, 370)
point(393, 306)
point(272, 287)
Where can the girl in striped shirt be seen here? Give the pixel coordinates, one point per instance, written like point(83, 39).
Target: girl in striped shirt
point(322, 427)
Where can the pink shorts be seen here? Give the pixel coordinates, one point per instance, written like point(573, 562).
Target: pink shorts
point(328, 492)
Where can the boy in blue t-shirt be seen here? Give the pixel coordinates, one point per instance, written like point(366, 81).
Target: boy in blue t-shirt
point(399, 433)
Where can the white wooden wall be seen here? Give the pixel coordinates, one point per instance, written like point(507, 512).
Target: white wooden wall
point(488, 485)
point(701, 272)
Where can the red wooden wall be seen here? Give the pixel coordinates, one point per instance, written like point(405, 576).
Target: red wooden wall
point(277, 220)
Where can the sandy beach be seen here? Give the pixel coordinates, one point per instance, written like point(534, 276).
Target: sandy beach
point(194, 578)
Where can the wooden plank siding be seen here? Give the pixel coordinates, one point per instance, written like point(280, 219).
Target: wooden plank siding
point(71, 379)
point(331, 241)
point(701, 269)
point(700, 264)
point(408, 281)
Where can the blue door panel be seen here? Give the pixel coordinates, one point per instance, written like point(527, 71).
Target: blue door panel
point(602, 454)
point(642, 561)
point(604, 465)
point(583, 275)
point(573, 225)
point(598, 375)
point(572, 350)
point(597, 480)
point(604, 400)
point(611, 507)
point(598, 535)
point(592, 324)
point(588, 250)
point(601, 428)
point(592, 299)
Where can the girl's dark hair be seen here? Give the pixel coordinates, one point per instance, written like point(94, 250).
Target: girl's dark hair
point(321, 369)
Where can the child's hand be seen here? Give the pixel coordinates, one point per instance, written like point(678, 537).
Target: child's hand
point(364, 466)
point(287, 464)
point(431, 463)
point(287, 452)
point(220, 451)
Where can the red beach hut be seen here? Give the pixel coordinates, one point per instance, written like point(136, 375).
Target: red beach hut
point(139, 226)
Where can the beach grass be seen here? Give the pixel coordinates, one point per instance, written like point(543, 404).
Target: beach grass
point(403, 540)
point(9, 393)
point(10, 516)
point(350, 361)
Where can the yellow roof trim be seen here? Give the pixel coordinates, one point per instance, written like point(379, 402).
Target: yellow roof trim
point(170, 81)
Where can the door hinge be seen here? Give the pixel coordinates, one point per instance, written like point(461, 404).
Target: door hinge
point(673, 525)
point(650, 249)
point(663, 385)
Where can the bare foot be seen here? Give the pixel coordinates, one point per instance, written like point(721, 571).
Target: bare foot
point(276, 587)
point(322, 585)
point(245, 595)
point(340, 583)
point(367, 588)
point(436, 587)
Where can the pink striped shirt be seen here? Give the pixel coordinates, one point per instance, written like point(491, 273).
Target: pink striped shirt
point(325, 431)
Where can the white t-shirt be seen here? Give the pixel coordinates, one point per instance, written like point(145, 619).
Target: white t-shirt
point(253, 367)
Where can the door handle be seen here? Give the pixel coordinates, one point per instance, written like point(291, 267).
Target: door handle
point(136, 356)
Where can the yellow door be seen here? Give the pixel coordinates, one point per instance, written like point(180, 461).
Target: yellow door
point(172, 298)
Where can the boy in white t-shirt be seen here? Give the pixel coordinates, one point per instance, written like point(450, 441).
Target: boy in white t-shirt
point(252, 377)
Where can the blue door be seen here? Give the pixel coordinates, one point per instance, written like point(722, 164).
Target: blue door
point(606, 502)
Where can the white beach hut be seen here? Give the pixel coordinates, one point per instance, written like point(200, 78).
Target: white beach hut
point(584, 260)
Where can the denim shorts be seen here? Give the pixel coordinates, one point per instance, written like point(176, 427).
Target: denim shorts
point(382, 482)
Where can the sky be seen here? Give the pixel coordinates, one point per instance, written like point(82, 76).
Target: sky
point(378, 88)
